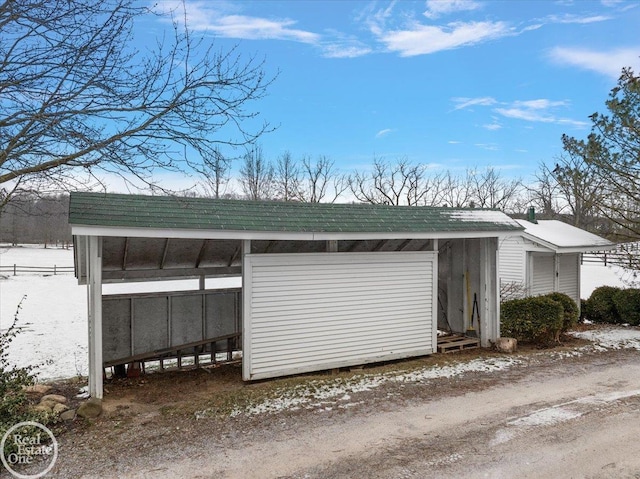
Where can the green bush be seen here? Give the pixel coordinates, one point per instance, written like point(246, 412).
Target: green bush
point(600, 307)
point(537, 320)
point(14, 405)
point(571, 313)
point(627, 304)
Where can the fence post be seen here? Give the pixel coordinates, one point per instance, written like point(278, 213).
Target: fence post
point(54, 269)
point(14, 269)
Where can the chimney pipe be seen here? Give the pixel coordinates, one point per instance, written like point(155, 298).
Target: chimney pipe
point(531, 216)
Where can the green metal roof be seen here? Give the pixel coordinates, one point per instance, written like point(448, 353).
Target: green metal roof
point(169, 212)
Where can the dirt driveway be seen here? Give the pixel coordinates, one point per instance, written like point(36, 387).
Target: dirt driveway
point(573, 412)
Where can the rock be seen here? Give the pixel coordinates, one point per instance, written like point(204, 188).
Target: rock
point(42, 408)
point(69, 415)
point(506, 345)
point(60, 408)
point(48, 405)
point(37, 389)
point(90, 409)
point(54, 397)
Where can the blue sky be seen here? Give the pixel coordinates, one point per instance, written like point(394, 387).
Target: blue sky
point(450, 83)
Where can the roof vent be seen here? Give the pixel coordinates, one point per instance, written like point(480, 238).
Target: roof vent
point(531, 215)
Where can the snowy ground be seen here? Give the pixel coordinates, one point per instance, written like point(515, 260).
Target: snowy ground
point(53, 313)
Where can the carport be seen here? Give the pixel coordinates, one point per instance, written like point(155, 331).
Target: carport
point(323, 285)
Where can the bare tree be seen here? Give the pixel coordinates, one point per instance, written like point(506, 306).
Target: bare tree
point(400, 183)
point(544, 193)
point(215, 170)
point(78, 98)
point(256, 176)
point(319, 181)
point(287, 178)
point(580, 188)
point(456, 190)
point(490, 190)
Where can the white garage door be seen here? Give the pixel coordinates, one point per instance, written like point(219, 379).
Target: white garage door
point(309, 312)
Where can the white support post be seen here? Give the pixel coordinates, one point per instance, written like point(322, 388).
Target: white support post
point(489, 296)
point(434, 298)
point(246, 307)
point(94, 286)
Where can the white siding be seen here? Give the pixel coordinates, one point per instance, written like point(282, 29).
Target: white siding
point(542, 273)
point(569, 276)
point(309, 312)
point(512, 260)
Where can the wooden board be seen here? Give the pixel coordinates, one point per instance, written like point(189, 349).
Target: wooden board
point(450, 344)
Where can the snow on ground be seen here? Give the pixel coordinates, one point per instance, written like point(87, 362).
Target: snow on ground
point(53, 317)
point(593, 275)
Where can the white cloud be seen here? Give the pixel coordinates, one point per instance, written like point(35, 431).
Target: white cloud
point(540, 104)
point(337, 50)
point(570, 18)
point(537, 114)
point(222, 19)
point(609, 63)
point(539, 110)
point(462, 103)
point(254, 28)
point(488, 146)
point(421, 39)
point(437, 8)
point(384, 132)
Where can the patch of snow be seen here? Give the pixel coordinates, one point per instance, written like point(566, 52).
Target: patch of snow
point(545, 417)
point(488, 216)
point(316, 393)
point(564, 235)
point(612, 338)
point(593, 275)
point(446, 460)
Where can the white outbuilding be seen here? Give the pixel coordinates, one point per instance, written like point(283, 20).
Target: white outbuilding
point(545, 257)
point(323, 285)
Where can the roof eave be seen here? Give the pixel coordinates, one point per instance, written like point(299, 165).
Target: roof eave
point(568, 249)
point(142, 232)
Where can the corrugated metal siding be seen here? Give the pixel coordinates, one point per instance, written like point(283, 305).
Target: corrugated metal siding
point(568, 278)
point(309, 312)
point(542, 276)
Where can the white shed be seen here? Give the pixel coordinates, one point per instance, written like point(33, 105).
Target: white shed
point(323, 285)
point(545, 257)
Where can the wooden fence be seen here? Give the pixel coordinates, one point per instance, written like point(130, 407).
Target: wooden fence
point(16, 269)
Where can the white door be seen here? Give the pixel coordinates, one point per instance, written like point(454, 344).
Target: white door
point(310, 312)
point(541, 273)
point(569, 276)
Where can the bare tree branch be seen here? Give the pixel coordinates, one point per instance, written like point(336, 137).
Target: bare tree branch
point(76, 96)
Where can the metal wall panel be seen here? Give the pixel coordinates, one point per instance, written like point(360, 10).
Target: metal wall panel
point(145, 322)
point(150, 324)
point(116, 328)
point(309, 312)
point(186, 319)
point(222, 316)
